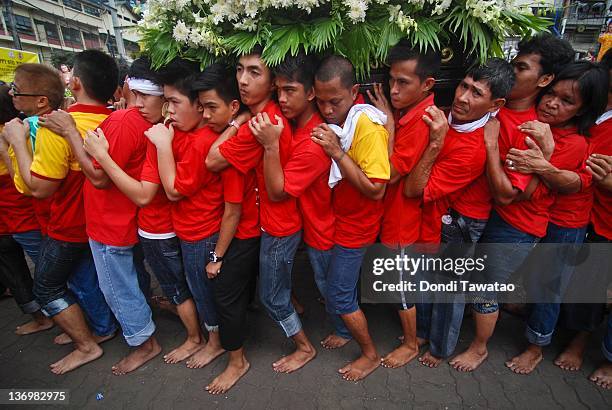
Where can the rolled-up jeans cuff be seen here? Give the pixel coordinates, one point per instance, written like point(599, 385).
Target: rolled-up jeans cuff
point(291, 325)
point(57, 306)
point(536, 338)
point(214, 328)
point(142, 336)
point(485, 305)
point(30, 307)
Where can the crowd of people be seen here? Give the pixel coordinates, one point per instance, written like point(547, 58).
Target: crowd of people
point(215, 177)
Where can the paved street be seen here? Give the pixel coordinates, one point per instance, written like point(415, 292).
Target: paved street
point(24, 364)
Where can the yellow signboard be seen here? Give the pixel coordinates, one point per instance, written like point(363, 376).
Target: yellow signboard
point(10, 59)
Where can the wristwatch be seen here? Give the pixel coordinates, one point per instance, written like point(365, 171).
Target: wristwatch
point(214, 258)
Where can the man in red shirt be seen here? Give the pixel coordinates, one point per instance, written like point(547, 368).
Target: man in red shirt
point(281, 222)
point(305, 174)
point(359, 176)
point(412, 77)
point(448, 165)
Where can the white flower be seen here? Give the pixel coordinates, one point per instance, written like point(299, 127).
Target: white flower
point(180, 32)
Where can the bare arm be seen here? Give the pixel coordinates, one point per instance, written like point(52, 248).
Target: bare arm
point(268, 134)
point(215, 162)
point(162, 137)
point(139, 192)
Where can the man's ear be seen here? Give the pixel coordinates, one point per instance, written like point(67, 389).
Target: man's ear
point(545, 80)
point(497, 104)
point(310, 94)
point(234, 107)
point(42, 102)
point(428, 84)
point(354, 91)
point(75, 83)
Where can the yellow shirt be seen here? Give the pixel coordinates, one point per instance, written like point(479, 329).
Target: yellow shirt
point(3, 167)
point(606, 43)
point(369, 149)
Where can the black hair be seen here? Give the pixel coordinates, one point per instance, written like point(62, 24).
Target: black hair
point(7, 109)
point(220, 78)
point(427, 63)
point(141, 68)
point(180, 74)
point(498, 73)
point(336, 66)
point(606, 60)
point(300, 68)
point(123, 68)
point(555, 53)
point(98, 73)
point(593, 80)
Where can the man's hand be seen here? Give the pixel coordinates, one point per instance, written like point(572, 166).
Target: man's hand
point(541, 133)
point(16, 132)
point(600, 166)
point(58, 121)
point(491, 132)
point(266, 133)
point(438, 125)
point(213, 269)
point(328, 140)
point(379, 100)
point(160, 136)
point(120, 105)
point(96, 144)
point(529, 161)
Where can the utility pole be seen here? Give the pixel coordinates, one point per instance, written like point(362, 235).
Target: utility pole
point(8, 5)
point(117, 28)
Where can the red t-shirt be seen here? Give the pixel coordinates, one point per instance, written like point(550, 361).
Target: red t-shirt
point(42, 209)
point(156, 216)
point(306, 178)
point(239, 188)
point(110, 215)
point(532, 216)
point(244, 153)
point(16, 210)
point(401, 223)
point(476, 201)
point(601, 217)
point(198, 215)
point(461, 161)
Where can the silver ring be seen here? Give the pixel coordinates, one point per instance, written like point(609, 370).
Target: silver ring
point(510, 163)
point(320, 135)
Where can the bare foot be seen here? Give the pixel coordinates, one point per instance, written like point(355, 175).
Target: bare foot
point(204, 356)
point(400, 356)
point(139, 356)
point(184, 351)
point(360, 368)
point(64, 339)
point(470, 359)
point(334, 342)
point(76, 358)
point(571, 358)
point(294, 361)
point(430, 360)
point(603, 376)
point(527, 361)
point(226, 380)
point(34, 326)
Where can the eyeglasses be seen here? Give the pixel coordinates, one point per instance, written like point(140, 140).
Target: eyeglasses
point(18, 94)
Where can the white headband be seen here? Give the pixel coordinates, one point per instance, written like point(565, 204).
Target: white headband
point(144, 86)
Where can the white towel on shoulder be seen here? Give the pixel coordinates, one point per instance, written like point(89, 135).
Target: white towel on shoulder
point(347, 133)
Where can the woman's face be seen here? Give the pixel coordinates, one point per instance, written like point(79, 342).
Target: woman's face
point(560, 104)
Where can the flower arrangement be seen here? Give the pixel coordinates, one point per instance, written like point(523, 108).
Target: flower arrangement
point(361, 30)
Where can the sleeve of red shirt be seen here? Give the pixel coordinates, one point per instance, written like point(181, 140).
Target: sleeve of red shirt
point(308, 161)
point(150, 170)
point(452, 174)
point(191, 170)
point(233, 185)
point(409, 147)
point(242, 151)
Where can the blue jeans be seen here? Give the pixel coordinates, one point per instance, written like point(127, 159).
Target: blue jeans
point(506, 248)
point(30, 241)
point(342, 279)
point(320, 261)
point(552, 277)
point(440, 321)
point(195, 259)
point(118, 280)
point(164, 258)
point(57, 262)
point(275, 265)
point(84, 285)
